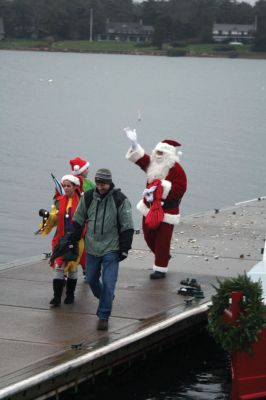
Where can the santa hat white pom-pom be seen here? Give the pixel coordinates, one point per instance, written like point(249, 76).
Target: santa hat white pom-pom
point(179, 153)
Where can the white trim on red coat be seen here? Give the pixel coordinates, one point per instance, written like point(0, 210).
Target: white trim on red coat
point(160, 269)
point(135, 155)
point(167, 186)
point(172, 219)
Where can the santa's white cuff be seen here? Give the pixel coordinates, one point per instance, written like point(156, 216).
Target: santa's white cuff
point(160, 269)
point(141, 206)
point(167, 185)
point(135, 155)
point(172, 219)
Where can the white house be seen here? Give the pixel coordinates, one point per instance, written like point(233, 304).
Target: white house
point(127, 31)
point(233, 32)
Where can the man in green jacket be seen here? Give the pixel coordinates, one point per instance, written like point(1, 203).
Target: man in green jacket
point(109, 234)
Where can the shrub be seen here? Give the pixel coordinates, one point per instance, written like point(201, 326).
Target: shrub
point(176, 53)
point(178, 44)
point(233, 54)
point(260, 44)
point(143, 44)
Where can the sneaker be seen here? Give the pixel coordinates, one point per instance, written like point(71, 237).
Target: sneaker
point(157, 275)
point(102, 325)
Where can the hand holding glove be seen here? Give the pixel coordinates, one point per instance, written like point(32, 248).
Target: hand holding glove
point(132, 136)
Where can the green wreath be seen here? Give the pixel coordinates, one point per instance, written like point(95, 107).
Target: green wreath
point(252, 318)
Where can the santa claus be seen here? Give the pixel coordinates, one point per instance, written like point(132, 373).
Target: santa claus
point(166, 185)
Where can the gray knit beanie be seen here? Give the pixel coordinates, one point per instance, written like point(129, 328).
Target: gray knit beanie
point(103, 175)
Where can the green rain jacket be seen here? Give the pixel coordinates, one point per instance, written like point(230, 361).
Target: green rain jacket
point(109, 228)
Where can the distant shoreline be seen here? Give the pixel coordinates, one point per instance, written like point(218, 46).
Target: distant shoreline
point(81, 48)
point(256, 56)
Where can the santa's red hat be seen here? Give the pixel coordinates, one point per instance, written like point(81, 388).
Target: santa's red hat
point(78, 165)
point(168, 146)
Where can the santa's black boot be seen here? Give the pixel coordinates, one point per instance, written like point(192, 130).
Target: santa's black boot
point(58, 285)
point(157, 275)
point(70, 290)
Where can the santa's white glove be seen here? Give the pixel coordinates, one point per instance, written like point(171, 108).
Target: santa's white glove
point(149, 197)
point(132, 136)
point(148, 194)
point(150, 190)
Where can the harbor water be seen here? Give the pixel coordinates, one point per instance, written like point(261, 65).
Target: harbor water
point(56, 106)
point(196, 370)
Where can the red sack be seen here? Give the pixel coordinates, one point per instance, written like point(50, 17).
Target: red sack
point(155, 215)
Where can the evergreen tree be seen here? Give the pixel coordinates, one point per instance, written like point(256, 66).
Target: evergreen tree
point(260, 13)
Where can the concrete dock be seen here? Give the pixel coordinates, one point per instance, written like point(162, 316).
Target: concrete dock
point(44, 351)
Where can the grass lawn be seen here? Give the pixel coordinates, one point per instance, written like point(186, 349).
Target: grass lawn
point(84, 45)
point(126, 47)
point(74, 45)
point(209, 48)
point(21, 44)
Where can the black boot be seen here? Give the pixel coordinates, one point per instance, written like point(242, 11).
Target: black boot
point(70, 289)
point(157, 275)
point(58, 285)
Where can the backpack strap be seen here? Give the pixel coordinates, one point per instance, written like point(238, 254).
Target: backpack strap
point(118, 197)
point(88, 196)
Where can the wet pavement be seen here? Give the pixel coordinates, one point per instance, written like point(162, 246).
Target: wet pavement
point(35, 339)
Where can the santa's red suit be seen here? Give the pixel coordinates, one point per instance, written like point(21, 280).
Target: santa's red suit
point(163, 171)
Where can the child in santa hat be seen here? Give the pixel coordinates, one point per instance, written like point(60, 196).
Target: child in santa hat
point(80, 169)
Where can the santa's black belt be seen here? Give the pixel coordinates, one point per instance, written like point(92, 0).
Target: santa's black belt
point(170, 204)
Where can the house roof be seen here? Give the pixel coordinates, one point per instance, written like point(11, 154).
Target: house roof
point(128, 27)
point(233, 27)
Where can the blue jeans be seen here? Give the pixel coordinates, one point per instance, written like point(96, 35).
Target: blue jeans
point(106, 268)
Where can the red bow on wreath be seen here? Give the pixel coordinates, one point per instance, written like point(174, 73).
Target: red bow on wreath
point(156, 213)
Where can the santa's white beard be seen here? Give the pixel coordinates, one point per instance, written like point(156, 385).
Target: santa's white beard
point(159, 167)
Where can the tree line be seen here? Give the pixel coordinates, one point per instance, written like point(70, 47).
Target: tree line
point(173, 20)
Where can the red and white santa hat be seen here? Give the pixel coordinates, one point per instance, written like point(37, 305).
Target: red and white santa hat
point(70, 178)
point(168, 146)
point(78, 165)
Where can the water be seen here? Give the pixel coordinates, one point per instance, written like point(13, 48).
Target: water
point(58, 106)
point(55, 106)
point(183, 372)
